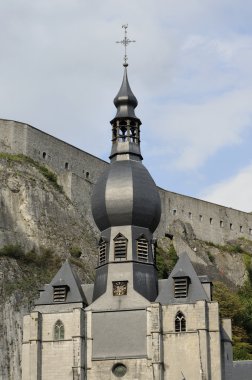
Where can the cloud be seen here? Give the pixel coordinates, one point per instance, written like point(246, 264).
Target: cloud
point(208, 108)
point(190, 70)
point(202, 129)
point(234, 192)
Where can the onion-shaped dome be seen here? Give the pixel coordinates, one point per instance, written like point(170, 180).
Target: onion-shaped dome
point(126, 195)
point(125, 101)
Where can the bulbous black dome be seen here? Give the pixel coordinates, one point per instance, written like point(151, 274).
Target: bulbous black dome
point(125, 101)
point(126, 194)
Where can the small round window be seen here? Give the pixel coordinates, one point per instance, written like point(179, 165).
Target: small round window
point(119, 370)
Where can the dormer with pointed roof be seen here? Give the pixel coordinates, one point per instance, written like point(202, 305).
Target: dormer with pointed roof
point(65, 288)
point(183, 285)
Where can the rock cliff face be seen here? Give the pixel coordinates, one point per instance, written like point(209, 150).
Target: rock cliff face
point(40, 227)
point(35, 217)
point(13, 306)
point(228, 263)
point(35, 212)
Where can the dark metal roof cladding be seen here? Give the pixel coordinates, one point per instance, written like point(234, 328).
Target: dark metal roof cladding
point(125, 194)
point(125, 101)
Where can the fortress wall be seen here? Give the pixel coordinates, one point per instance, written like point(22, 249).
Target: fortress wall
point(210, 222)
point(78, 171)
point(61, 156)
point(22, 138)
point(13, 137)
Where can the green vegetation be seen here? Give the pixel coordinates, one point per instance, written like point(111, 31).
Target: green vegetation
point(75, 252)
point(13, 251)
point(231, 248)
point(165, 260)
point(35, 270)
point(211, 257)
point(20, 158)
point(46, 257)
point(247, 259)
point(238, 307)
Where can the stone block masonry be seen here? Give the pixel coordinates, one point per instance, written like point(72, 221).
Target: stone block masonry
point(78, 170)
point(20, 138)
point(210, 222)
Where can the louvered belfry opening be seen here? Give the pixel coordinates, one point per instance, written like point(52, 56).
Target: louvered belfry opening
point(142, 249)
point(60, 293)
point(102, 252)
point(120, 247)
point(181, 287)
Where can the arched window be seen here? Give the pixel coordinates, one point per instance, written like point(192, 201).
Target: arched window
point(180, 322)
point(102, 251)
point(142, 249)
point(59, 331)
point(120, 247)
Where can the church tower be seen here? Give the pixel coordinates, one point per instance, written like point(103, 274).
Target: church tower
point(126, 209)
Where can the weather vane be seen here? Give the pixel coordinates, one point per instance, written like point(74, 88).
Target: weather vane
point(126, 41)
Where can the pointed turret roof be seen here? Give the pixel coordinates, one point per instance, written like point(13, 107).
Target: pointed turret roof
point(183, 268)
point(125, 101)
point(65, 277)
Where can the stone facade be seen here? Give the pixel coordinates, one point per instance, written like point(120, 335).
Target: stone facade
point(142, 337)
point(43, 357)
point(78, 171)
point(198, 350)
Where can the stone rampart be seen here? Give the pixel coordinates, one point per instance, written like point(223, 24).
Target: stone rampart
point(16, 137)
point(78, 171)
point(210, 222)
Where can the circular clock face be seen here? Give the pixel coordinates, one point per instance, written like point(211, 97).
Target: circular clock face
point(119, 370)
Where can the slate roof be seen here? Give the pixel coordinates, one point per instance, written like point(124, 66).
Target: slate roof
point(88, 290)
point(196, 291)
point(65, 276)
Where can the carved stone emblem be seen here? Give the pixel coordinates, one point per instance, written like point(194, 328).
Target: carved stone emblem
point(119, 288)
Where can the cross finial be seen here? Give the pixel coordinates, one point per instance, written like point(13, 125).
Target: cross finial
point(126, 41)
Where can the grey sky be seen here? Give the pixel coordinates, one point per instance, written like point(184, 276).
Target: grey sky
point(190, 70)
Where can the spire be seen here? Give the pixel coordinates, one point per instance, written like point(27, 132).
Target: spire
point(125, 101)
point(125, 125)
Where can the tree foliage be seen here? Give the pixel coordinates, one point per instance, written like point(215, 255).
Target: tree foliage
point(165, 260)
point(238, 307)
